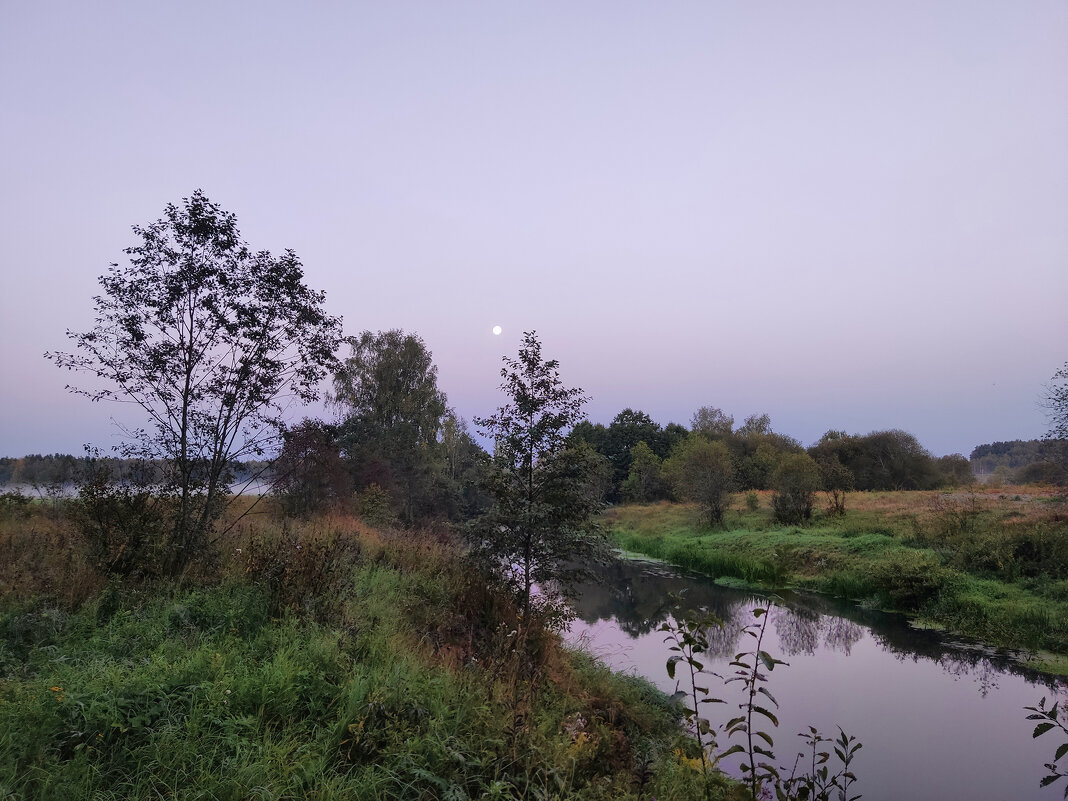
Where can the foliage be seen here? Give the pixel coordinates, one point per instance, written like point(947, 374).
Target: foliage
point(688, 641)
point(701, 472)
point(796, 481)
point(383, 684)
point(304, 572)
point(213, 341)
point(309, 475)
point(645, 480)
point(545, 494)
point(687, 634)
point(1050, 720)
point(712, 422)
point(123, 522)
point(988, 565)
point(956, 470)
point(837, 480)
point(387, 395)
point(881, 460)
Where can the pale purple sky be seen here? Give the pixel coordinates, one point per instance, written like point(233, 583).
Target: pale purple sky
point(847, 215)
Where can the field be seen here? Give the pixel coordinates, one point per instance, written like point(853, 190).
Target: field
point(989, 563)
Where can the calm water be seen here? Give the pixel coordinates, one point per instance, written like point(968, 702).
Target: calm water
point(939, 718)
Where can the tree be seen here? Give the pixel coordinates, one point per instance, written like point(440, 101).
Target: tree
point(712, 422)
point(540, 530)
point(1057, 410)
point(837, 480)
point(701, 472)
point(795, 481)
point(309, 473)
point(645, 482)
point(213, 341)
point(387, 395)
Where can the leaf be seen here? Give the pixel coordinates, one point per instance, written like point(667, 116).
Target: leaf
point(1041, 729)
point(769, 715)
point(671, 666)
point(1048, 780)
point(766, 692)
point(734, 749)
point(1061, 752)
point(767, 738)
point(769, 661)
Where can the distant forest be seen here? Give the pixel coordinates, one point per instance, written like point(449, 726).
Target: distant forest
point(884, 460)
point(1019, 461)
point(42, 470)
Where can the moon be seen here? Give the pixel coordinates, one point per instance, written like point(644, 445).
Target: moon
point(496, 330)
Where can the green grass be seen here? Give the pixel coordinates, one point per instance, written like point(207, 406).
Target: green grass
point(399, 691)
point(989, 567)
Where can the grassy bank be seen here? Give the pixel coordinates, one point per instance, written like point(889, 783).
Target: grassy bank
point(989, 564)
point(323, 660)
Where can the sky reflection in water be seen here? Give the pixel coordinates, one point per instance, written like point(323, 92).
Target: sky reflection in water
point(939, 719)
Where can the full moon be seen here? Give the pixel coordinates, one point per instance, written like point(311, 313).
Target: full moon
point(496, 330)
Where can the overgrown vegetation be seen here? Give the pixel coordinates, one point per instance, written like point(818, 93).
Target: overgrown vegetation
point(983, 563)
point(320, 658)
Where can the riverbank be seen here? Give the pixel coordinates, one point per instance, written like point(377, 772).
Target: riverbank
point(988, 564)
point(312, 660)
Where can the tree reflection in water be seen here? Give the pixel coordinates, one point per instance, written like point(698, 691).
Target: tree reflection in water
point(636, 595)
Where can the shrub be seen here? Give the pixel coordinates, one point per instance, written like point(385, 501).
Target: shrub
point(795, 480)
point(910, 578)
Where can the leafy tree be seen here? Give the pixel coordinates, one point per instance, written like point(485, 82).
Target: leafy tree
point(645, 481)
point(540, 530)
point(796, 481)
point(837, 481)
point(626, 430)
point(1057, 409)
point(712, 422)
point(956, 470)
point(755, 425)
point(701, 472)
point(309, 474)
point(881, 460)
point(463, 463)
point(391, 413)
point(213, 341)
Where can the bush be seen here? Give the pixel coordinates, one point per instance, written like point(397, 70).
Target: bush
point(795, 480)
point(910, 578)
point(124, 524)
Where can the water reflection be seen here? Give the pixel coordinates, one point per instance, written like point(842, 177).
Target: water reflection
point(939, 717)
point(636, 594)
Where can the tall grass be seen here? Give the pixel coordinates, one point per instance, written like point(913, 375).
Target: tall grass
point(324, 660)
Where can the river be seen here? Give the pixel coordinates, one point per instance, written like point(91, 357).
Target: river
point(939, 718)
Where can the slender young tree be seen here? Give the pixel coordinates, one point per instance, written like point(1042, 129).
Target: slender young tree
point(540, 531)
point(214, 341)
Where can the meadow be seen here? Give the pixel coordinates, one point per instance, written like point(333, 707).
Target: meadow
point(318, 659)
point(988, 563)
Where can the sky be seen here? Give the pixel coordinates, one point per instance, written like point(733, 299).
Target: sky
point(846, 215)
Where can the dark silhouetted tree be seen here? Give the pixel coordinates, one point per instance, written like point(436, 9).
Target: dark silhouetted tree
point(214, 341)
point(540, 530)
